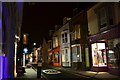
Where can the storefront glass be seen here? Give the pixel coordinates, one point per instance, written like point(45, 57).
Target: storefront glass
point(99, 55)
point(114, 53)
point(56, 57)
point(65, 55)
point(76, 54)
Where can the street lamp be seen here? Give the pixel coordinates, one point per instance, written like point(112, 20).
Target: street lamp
point(34, 44)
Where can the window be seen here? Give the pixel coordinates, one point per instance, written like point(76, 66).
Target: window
point(99, 55)
point(77, 31)
point(65, 55)
point(114, 53)
point(110, 12)
point(76, 54)
point(55, 42)
point(50, 45)
point(64, 38)
point(105, 16)
point(56, 57)
point(102, 17)
point(73, 36)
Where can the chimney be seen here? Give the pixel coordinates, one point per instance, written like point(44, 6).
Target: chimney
point(66, 19)
point(75, 11)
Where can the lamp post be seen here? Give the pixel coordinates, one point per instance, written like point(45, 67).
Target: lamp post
point(39, 68)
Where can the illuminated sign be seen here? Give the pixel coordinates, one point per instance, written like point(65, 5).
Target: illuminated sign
point(25, 50)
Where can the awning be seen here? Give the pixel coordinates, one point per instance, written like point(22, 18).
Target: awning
point(106, 35)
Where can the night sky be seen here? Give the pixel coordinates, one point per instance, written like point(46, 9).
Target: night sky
point(40, 17)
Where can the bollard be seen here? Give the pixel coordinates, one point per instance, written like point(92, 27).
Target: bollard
point(39, 69)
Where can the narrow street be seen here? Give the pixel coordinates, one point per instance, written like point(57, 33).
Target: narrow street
point(59, 40)
point(31, 74)
point(65, 75)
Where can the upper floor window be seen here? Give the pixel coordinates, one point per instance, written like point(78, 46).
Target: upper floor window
point(76, 32)
point(105, 16)
point(50, 45)
point(102, 18)
point(64, 38)
point(73, 35)
point(55, 42)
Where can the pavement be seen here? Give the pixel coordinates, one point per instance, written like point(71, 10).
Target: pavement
point(92, 74)
point(30, 74)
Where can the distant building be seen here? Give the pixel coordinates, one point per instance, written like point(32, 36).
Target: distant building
point(78, 40)
point(56, 46)
point(44, 52)
point(50, 47)
point(65, 50)
point(50, 52)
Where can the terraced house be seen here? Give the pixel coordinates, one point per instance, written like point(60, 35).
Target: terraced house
point(104, 39)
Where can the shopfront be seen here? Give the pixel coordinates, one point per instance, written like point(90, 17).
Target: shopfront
point(105, 51)
point(76, 56)
point(114, 56)
point(99, 56)
point(56, 56)
point(50, 57)
point(66, 59)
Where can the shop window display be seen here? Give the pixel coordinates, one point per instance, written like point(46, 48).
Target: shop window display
point(99, 55)
point(76, 54)
point(114, 56)
point(117, 54)
point(65, 55)
point(56, 57)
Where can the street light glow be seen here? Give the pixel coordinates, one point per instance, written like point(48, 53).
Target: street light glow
point(34, 43)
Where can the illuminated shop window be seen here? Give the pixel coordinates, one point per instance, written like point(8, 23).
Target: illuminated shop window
point(99, 54)
point(114, 54)
point(112, 59)
point(76, 54)
point(56, 57)
point(65, 55)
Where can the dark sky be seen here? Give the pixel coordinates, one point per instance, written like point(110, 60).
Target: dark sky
point(40, 17)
